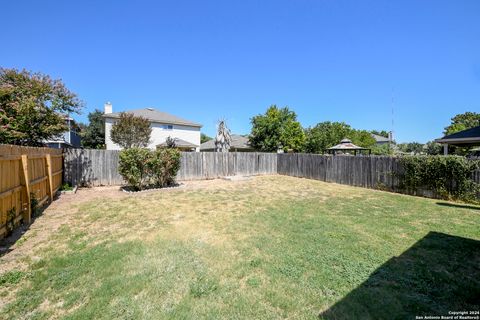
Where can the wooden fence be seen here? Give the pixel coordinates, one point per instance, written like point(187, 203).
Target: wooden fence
point(375, 172)
point(362, 171)
point(100, 167)
point(26, 174)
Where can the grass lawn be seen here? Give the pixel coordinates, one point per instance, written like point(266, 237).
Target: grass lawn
point(267, 248)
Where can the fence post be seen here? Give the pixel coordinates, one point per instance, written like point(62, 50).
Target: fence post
point(49, 174)
point(28, 214)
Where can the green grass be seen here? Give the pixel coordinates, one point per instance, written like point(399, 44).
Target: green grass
point(272, 247)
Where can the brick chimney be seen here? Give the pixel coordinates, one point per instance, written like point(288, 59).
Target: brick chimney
point(108, 108)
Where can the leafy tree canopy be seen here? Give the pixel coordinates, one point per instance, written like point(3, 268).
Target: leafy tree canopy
point(33, 107)
point(131, 131)
point(93, 134)
point(382, 133)
point(204, 138)
point(411, 147)
point(327, 134)
point(463, 121)
point(277, 128)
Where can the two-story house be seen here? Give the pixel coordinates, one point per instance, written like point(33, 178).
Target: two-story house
point(68, 139)
point(185, 133)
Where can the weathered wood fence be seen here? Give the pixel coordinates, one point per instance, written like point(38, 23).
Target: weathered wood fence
point(86, 167)
point(378, 172)
point(26, 174)
point(375, 172)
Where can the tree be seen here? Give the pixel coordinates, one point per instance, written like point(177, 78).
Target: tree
point(327, 134)
point(131, 131)
point(362, 138)
point(463, 121)
point(204, 138)
point(433, 148)
point(223, 137)
point(382, 133)
point(33, 107)
point(411, 147)
point(277, 128)
point(93, 135)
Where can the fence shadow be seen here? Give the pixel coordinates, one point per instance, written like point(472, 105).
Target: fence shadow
point(438, 274)
point(78, 169)
point(461, 206)
point(7, 243)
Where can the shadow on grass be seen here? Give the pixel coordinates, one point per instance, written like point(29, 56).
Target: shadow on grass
point(438, 274)
point(461, 206)
point(7, 243)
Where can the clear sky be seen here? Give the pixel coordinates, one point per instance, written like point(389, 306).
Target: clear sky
point(204, 60)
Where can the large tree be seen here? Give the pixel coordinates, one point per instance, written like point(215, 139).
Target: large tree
point(277, 128)
point(33, 107)
point(463, 121)
point(93, 134)
point(327, 134)
point(204, 138)
point(131, 131)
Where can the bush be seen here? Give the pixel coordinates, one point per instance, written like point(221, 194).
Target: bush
point(163, 166)
point(448, 176)
point(141, 168)
point(133, 166)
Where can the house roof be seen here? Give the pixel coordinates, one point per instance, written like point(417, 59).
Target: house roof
point(380, 138)
point(346, 144)
point(238, 142)
point(180, 143)
point(155, 116)
point(471, 135)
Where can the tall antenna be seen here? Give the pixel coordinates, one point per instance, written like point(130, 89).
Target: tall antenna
point(393, 114)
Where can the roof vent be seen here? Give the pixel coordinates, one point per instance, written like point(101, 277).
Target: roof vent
point(150, 109)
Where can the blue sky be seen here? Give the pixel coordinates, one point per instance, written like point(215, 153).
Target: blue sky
point(204, 60)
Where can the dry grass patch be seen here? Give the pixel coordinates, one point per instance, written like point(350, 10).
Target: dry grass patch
point(268, 247)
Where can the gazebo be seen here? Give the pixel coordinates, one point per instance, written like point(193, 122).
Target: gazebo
point(345, 146)
point(465, 138)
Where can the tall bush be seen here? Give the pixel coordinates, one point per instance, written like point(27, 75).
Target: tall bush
point(448, 176)
point(133, 166)
point(142, 168)
point(163, 166)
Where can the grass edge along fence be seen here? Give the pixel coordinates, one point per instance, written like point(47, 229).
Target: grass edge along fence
point(86, 167)
point(29, 177)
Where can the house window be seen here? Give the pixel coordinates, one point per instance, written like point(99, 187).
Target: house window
point(167, 127)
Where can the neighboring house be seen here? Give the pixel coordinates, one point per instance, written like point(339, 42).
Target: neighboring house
point(381, 140)
point(185, 133)
point(238, 144)
point(69, 139)
point(466, 138)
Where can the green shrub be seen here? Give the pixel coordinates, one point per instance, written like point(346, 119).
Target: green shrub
point(449, 177)
point(163, 166)
point(133, 166)
point(142, 167)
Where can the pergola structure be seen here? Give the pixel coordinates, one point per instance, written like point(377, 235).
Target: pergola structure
point(466, 138)
point(346, 146)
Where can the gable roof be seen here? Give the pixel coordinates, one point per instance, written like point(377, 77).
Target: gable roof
point(379, 138)
point(155, 116)
point(466, 136)
point(238, 142)
point(179, 143)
